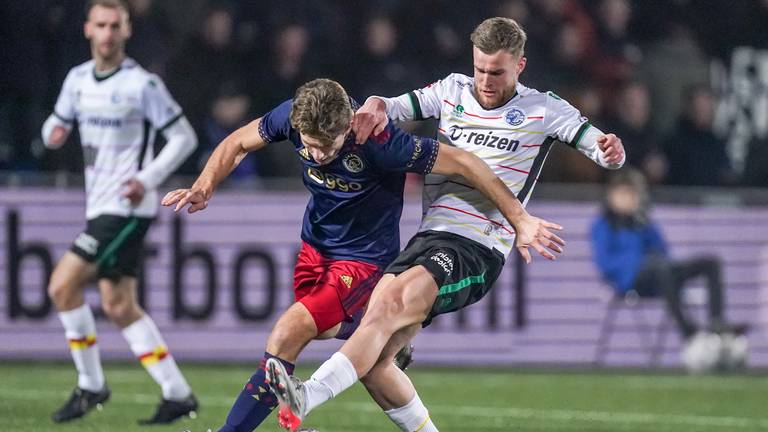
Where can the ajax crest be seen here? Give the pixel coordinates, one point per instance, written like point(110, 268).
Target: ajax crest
point(353, 163)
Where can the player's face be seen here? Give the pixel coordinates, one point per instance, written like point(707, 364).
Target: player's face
point(321, 150)
point(495, 76)
point(107, 29)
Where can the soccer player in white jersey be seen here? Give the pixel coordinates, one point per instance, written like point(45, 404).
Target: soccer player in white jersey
point(119, 109)
point(463, 241)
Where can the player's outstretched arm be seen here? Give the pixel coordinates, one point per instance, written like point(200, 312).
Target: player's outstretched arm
point(223, 160)
point(530, 231)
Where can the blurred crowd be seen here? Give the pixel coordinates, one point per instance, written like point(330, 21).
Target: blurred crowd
point(644, 69)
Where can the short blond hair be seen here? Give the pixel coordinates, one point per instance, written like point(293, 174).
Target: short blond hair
point(498, 33)
point(110, 4)
point(321, 109)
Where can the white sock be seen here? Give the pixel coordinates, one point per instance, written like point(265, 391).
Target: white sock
point(413, 417)
point(147, 344)
point(331, 378)
point(80, 330)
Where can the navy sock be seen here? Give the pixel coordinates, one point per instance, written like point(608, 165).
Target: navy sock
point(255, 402)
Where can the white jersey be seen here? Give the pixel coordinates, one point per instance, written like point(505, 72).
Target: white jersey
point(513, 140)
point(118, 117)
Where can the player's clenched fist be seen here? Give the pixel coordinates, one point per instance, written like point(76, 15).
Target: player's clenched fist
point(613, 150)
point(195, 198)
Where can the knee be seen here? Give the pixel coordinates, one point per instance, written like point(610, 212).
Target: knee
point(118, 309)
point(283, 336)
point(287, 335)
point(59, 292)
point(387, 308)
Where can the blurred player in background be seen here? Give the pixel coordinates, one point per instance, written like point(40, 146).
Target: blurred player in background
point(351, 225)
point(119, 109)
point(463, 239)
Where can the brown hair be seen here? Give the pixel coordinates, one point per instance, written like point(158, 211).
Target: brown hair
point(321, 109)
point(112, 4)
point(496, 34)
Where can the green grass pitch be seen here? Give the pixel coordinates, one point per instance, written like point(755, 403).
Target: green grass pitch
point(459, 400)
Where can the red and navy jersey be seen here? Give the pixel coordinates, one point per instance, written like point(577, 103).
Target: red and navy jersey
point(356, 200)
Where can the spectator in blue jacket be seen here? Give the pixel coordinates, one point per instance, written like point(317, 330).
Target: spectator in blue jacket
point(632, 256)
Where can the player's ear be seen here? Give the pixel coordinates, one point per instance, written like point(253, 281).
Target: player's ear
point(87, 29)
point(521, 64)
point(128, 27)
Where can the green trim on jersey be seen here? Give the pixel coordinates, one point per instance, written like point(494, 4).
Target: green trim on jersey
point(467, 281)
point(417, 115)
point(579, 135)
point(99, 78)
point(112, 247)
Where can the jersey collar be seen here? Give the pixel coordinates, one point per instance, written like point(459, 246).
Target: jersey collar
point(99, 78)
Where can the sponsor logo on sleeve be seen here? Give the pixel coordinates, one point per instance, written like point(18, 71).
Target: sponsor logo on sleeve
point(418, 148)
point(463, 84)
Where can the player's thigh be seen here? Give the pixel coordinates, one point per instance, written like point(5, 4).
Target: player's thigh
point(70, 275)
point(307, 270)
point(119, 299)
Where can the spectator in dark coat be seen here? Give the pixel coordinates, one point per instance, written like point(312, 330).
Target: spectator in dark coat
point(697, 157)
